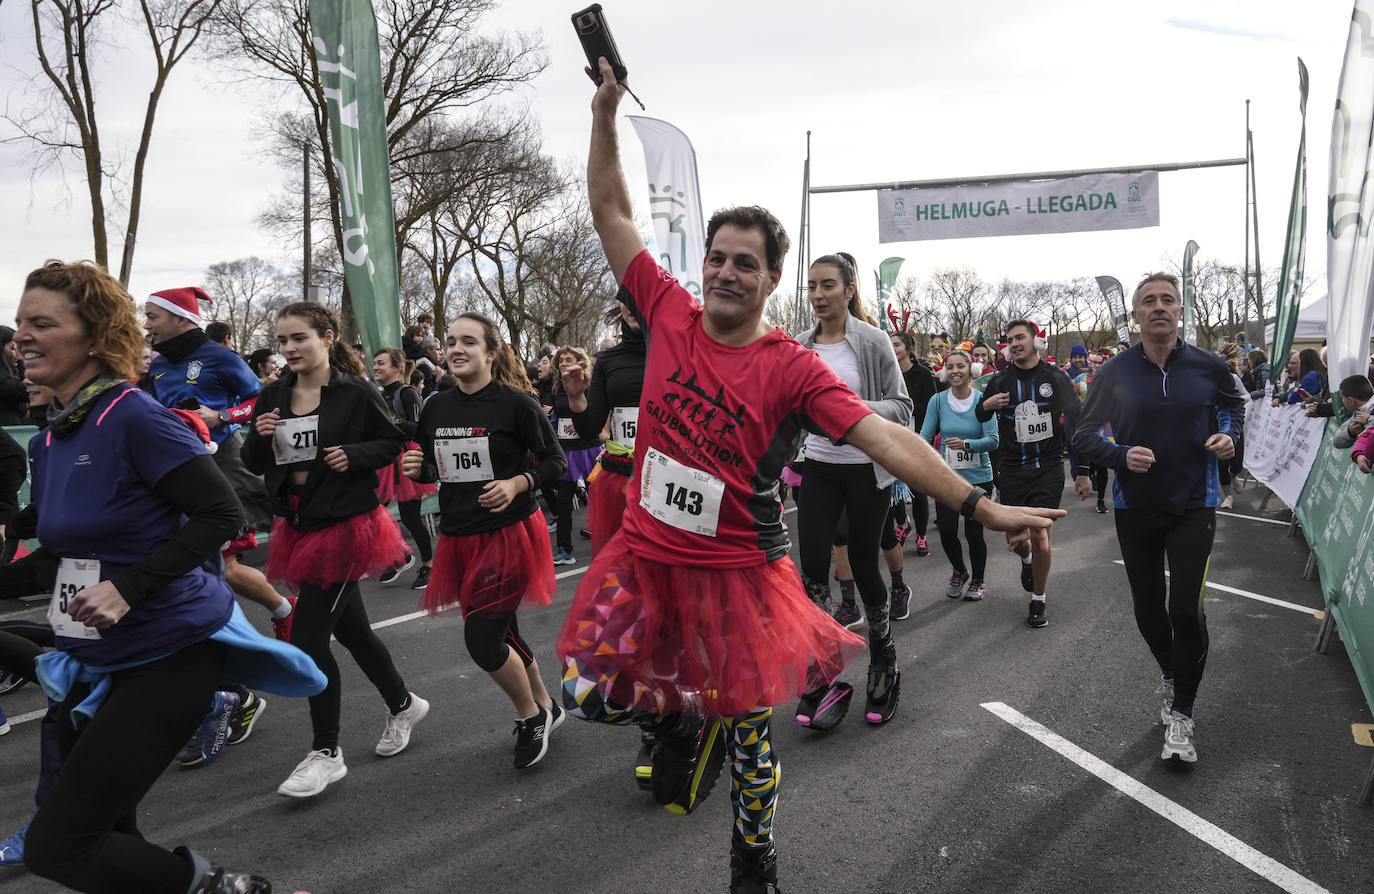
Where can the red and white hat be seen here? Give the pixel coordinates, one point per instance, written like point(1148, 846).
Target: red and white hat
point(184, 302)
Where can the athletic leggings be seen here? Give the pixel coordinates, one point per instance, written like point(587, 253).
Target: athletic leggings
point(17, 654)
point(829, 489)
point(415, 524)
point(338, 610)
point(85, 835)
point(947, 523)
point(1170, 613)
point(490, 638)
point(566, 490)
point(753, 772)
point(1098, 474)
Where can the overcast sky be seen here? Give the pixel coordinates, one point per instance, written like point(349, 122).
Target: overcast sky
point(888, 92)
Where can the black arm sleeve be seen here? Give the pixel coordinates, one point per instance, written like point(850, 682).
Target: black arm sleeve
point(539, 438)
point(412, 404)
point(14, 468)
point(592, 420)
point(213, 517)
point(35, 573)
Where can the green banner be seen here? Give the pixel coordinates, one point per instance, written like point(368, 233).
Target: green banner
point(887, 278)
point(344, 38)
point(1294, 247)
point(1189, 294)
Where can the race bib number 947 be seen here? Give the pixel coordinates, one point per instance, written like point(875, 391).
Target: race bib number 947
point(680, 496)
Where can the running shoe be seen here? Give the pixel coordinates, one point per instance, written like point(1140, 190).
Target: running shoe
point(1101, 507)
point(553, 526)
point(956, 584)
point(244, 716)
point(921, 548)
point(884, 688)
point(901, 532)
point(824, 708)
point(585, 534)
point(901, 603)
point(10, 682)
point(421, 578)
point(848, 615)
point(1036, 616)
point(1027, 577)
point(4, 723)
point(314, 774)
point(976, 590)
point(209, 739)
point(753, 870)
point(395, 571)
point(556, 714)
point(688, 761)
point(1227, 503)
point(1166, 691)
point(564, 557)
point(12, 848)
point(531, 739)
point(1178, 739)
point(281, 627)
point(223, 881)
point(644, 761)
point(396, 736)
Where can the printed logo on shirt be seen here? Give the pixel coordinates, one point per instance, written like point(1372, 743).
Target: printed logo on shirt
point(83, 460)
point(698, 420)
point(1046, 389)
point(193, 370)
point(476, 431)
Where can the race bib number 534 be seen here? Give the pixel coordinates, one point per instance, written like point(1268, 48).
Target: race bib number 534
point(680, 496)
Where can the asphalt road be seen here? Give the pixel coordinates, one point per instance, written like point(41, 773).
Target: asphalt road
point(952, 795)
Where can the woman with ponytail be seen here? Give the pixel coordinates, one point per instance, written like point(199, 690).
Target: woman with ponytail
point(481, 440)
point(319, 434)
point(392, 370)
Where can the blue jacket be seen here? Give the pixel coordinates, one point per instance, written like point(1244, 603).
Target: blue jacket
point(212, 374)
point(1172, 410)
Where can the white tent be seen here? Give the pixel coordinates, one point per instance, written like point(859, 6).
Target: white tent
point(1311, 323)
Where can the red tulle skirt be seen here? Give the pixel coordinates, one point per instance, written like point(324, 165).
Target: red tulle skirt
point(354, 549)
point(246, 541)
point(605, 506)
point(493, 573)
point(392, 485)
point(661, 638)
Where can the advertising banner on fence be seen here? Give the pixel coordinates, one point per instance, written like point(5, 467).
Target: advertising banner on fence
point(674, 200)
point(1281, 444)
point(1020, 207)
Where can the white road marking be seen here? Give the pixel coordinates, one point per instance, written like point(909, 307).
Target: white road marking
point(1258, 518)
point(1265, 867)
point(1306, 610)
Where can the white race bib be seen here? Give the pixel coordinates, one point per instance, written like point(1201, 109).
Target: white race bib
point(566, 430)
point(1032, 426)
point(962, 459)
point(680, 496)
point(73, 576)
point(463, 459)
point(297, 439)
point(624, 421)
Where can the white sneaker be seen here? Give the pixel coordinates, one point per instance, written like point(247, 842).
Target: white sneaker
point(1166, 691)
point(1226, 503)
point(314, 774)
point(396, 736)
point(1178, 739)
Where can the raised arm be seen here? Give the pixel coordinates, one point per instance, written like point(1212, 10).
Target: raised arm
point(607, 192)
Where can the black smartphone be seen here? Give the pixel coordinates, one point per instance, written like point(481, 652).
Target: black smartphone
point(188, 403)
point(596, 39)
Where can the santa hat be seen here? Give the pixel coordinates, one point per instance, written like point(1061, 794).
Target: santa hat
point(1042, 341)
point(184, 302)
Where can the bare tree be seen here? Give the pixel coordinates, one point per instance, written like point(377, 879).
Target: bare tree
point(959, 298)
point(247, 294)
point(62, 123)
point(787, 313)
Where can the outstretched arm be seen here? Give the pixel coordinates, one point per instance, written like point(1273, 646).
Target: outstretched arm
point(609, 196)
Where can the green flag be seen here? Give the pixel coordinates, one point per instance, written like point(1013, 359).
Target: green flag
point(1189, 295)
point(887, 278)
point(344, 38)
point(1294, 250)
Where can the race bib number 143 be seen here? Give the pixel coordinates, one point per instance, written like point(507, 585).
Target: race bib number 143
point(680, 496)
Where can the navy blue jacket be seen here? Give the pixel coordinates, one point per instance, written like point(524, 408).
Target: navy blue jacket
point(1172, 410)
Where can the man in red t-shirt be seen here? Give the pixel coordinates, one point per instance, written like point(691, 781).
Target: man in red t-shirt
point(692, 621)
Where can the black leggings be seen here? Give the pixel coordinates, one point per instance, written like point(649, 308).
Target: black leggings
point(85, 835)
point(829, 489)
point(338, 610)
point(1170, 614)
point(1098, 474)
point(415, 524)
point(490, 638)
point(947, 523)
point(566, 489)
point(17, 654)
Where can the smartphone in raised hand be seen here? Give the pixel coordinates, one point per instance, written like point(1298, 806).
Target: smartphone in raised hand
point(596, 39)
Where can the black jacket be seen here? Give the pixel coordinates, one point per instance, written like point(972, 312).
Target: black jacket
point(352, 414)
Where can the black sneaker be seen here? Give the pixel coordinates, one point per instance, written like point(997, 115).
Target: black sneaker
point(1036, 617)
point(391, 574)
point(1101, 507)
point(242, 720)
point(222, 881)
point(1027, 577)
point(421, 578)
point(695, 772)
point(823, 709)
point(531, 739)
point(901, 602)
point(884, 687)
point(753, 870)
point(644, 761)
point(585, 534)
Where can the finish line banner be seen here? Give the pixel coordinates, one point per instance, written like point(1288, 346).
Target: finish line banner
point(1020, 207)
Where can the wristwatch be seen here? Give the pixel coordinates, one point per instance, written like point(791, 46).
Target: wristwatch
point(971, 502)
point(224, 417)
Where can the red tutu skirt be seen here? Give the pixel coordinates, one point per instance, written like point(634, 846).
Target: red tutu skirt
point(392, 485)
point(493, 573)
point(661, 638)
point(356, 548)
point(605, 506)
point(246, 541)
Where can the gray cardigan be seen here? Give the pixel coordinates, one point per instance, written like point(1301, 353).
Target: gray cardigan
point(881, 384)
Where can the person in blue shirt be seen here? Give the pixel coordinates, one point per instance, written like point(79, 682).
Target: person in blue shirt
point(1175, 412)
